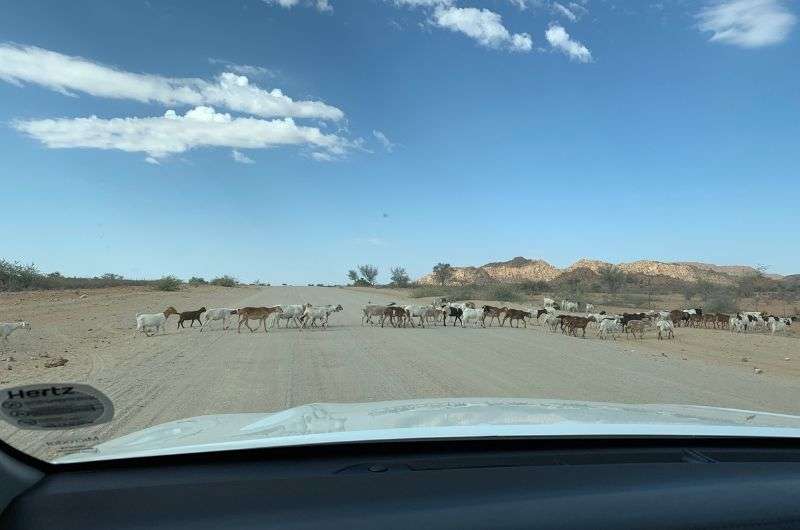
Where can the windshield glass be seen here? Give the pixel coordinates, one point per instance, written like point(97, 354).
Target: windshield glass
point(277, 222)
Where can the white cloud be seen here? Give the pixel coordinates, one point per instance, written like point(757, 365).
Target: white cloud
point(522, 4)
point(322, 157)
point(320, 5)
point(64, 73)
point(560, 9)
point(244, 69)
point(747, 23)
point(384, 140)
point(485, 26)
point(151, 160)
point(240, 157)
point(422, 3)
point(559, 39)
point(172, 133)
point(578, 9)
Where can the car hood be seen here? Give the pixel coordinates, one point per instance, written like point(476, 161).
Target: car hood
point(322, 423)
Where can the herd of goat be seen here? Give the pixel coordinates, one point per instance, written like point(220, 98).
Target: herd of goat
point(467, 313)
point(463, 314)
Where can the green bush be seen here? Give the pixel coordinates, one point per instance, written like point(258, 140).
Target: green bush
point(225, 281)
point(502, 293)
point(195, 280)
point(168, 283)
point(720, 302)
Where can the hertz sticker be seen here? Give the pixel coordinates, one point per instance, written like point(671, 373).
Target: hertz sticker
point(55, 406)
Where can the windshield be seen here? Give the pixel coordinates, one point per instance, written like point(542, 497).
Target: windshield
point(281, 222)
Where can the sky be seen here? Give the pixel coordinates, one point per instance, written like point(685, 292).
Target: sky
point(291, 140)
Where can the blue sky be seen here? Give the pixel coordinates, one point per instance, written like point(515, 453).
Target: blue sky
point(291, 140)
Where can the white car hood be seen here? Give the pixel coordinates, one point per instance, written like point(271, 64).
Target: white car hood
point(322, 423)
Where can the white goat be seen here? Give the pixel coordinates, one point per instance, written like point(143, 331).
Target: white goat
point(666, 330)
point(372, 310)
point(7, 328)
point(609, 326)
point(548, 302)
point(151, 323)
point(422, 312)
point(472, 315)
point(293, 312)
point(552, 321)
point(322, 313)
point(219, 313)
point(589, 307)
point(566, 305)
point(778, 324)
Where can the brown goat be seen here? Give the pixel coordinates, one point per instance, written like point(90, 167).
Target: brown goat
point(516, 314)
point(256, 313)
point(190, 315)
point(400, 313)
point(493, 312)
point(572, 324)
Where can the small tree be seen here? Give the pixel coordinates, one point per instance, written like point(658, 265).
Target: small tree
point(353, 275)
point(168, 283)
point(224, 281)
point(613, 278)
point(400, 277)
point(442, 272)
point(196, 280)
point(368, 273)
point(704, 288)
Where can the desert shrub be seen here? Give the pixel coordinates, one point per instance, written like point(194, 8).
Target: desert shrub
point(168, 283)
point(720, 302)
point(225, 281)
point(533, 287)
point(502, 293)
point(195, 280)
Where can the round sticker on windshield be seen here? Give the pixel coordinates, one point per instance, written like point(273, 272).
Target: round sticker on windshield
point(55, 406)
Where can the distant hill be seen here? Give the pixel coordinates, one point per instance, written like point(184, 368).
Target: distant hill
point(521, 269)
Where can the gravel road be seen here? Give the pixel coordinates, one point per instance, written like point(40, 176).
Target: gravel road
point(188, 373)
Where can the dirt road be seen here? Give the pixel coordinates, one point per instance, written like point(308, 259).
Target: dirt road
point(188, 373)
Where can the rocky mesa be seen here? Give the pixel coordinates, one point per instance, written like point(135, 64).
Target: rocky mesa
point(521, 269)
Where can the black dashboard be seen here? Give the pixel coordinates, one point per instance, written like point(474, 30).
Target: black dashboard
point(457, 484)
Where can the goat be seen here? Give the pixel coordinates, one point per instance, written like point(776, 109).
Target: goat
point(422, 312)
point(7, 328)
point(665, 329)
point(293, 312)
point(609, 326)
point(548, 302)
point(475, 316)
point(371, 310)
point(322, 313)
point(634, 326)
point(453, 311)
point(721, 320)
point(573, 324)
point(400, 313)
point(566, 305)
point(589, 307)
point(256, 313)
point(145, 321)
point(552, 321)
point(778, 324)
point(220, 313)
point(627, 317)
point(183, 316)
point(516, 314)
point(493, 312)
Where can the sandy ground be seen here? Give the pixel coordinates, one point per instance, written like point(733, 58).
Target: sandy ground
point(187, 373)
